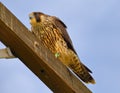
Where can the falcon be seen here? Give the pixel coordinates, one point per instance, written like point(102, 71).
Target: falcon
point(51, 32)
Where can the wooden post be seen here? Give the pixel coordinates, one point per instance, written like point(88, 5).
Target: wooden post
point(38, 59)
point(6, 53)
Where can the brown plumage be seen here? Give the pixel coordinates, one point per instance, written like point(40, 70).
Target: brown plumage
point(51, 31)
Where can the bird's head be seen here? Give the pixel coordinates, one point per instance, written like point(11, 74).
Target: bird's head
point(36, 17)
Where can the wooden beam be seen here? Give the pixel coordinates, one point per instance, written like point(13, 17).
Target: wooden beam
point(38, 59)
point(6, 53)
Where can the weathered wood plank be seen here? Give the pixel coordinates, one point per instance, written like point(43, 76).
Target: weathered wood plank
point(38, 59)
point(6, 53)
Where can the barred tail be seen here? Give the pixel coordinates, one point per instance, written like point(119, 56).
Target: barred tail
point(81, 70)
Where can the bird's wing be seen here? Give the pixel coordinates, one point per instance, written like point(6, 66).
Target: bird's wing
point(58, 23)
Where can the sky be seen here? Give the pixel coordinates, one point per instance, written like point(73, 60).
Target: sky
point(94, 27)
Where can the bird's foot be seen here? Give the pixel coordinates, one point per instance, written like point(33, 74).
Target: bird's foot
point(57, 55)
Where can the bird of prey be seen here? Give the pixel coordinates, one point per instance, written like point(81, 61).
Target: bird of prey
point(51, 31)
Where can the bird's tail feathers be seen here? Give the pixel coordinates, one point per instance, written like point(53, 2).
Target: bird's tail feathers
point(81, 70)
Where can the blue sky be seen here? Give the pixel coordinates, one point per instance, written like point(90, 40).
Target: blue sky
point(94, 27)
